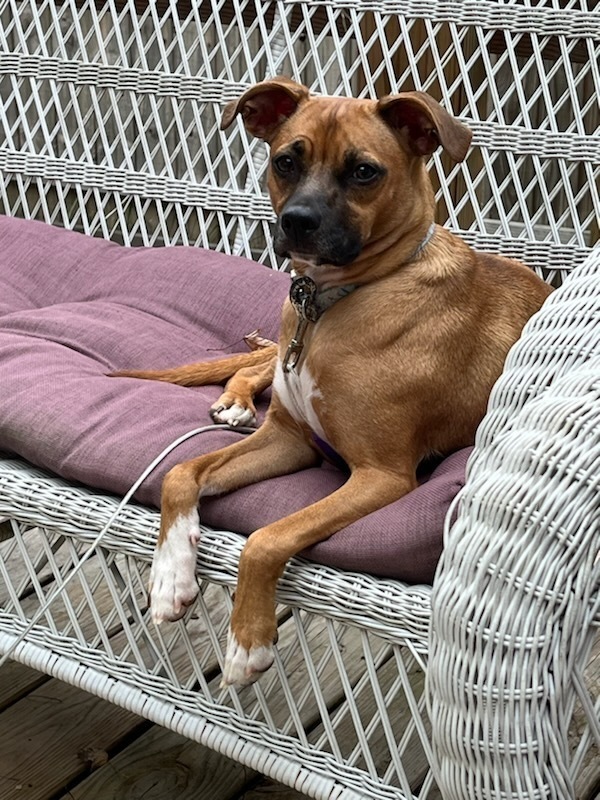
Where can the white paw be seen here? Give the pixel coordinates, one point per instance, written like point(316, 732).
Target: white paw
point(173, 584)
point(235, 416)
point(243, 667)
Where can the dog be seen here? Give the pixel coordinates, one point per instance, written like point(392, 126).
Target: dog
point(392, 338)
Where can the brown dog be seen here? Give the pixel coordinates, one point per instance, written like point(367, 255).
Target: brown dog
point(393, 338)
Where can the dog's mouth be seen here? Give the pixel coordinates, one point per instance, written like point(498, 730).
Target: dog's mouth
point(316, 261)
point(341, 254)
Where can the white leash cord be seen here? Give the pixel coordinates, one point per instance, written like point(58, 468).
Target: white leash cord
point(90, 551)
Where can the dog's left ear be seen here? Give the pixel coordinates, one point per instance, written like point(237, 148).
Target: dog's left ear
point(265, 106)
point(427, 124)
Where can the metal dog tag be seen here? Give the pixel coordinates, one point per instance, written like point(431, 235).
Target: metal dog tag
point(303, 296)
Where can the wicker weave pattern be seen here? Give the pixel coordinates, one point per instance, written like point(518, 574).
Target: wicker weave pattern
point(516, 605)
point(109, 123)
point(112, 90)
point(512, 16)
point(548, 144)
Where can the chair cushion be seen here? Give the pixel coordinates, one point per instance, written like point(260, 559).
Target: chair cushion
point(73, 308)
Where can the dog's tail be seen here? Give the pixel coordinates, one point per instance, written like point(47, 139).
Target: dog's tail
point(204, 372)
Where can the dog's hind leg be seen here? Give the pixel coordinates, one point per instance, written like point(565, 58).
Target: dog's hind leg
point(247, 375)
point(236, 405)
point(277, 448)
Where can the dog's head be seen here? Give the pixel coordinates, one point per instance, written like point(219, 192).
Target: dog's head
point(346, 174)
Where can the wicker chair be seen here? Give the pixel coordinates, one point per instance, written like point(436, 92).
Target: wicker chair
point(109, 120)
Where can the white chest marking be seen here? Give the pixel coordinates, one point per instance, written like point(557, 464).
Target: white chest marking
point(297, 390)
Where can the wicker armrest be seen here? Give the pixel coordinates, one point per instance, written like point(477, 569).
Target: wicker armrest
point(516, 599)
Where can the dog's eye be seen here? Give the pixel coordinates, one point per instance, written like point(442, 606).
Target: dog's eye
point(284, 165)
point(365, 173)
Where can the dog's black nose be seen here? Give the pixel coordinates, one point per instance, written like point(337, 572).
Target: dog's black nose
point(299, 221)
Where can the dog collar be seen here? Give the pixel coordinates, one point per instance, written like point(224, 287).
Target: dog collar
point(309, 303)
point(425, 242)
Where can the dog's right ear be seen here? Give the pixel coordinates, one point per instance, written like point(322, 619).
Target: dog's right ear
point(265, 106)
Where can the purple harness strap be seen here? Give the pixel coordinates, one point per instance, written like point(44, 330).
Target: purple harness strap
point(329, 453)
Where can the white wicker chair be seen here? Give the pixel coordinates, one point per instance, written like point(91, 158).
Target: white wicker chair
point(109, 119)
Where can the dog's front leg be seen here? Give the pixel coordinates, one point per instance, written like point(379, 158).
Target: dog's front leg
point(263, 559)
point(277, 448)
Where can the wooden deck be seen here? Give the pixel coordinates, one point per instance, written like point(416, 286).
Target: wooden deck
point(61, 743)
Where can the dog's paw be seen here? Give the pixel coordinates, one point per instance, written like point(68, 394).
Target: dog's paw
point(173, 584)
point(243, 666)
point(234, 414)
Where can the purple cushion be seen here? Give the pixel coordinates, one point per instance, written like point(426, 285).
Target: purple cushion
point(73, 308)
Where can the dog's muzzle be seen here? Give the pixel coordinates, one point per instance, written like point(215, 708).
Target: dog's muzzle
point(305, 230)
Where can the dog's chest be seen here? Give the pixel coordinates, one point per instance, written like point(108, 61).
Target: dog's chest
point(297, 392)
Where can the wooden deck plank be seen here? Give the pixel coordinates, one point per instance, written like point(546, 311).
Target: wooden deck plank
point(267, 789)
point(43, 735)
point(16, 681)
point(162, 764)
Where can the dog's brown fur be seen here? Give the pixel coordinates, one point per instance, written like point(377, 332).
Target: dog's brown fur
point(400, 368)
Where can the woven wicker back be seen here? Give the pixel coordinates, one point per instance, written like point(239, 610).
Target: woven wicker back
point(110, 111)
